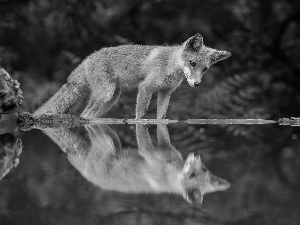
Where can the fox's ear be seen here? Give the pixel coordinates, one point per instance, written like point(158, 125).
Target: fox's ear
point(194, 196)
point(216, 56)
point(218, 184)
point(194, 43)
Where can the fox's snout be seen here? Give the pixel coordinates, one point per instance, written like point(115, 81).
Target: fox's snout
point(196, 84)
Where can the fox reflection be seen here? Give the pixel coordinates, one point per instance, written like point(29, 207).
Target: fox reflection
point(97, 154)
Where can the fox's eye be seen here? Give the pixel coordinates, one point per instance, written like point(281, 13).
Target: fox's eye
point(204, 69)
point(192, 175)
point(204, 169)
point(193, 63)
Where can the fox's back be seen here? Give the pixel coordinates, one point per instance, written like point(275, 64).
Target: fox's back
point(127, 63)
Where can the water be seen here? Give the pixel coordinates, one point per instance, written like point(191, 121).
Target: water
point(58, 180)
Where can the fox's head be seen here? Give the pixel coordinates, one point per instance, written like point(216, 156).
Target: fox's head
point(196, 58)
point(196, 180)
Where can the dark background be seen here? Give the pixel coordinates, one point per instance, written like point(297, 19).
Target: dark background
point(41, 42)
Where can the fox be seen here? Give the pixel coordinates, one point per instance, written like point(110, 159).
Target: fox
point(96, 152)
point(104, 74)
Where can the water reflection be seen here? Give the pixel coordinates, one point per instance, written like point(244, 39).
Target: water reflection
point(265, 178)
point(96, 152)
point(10, 150)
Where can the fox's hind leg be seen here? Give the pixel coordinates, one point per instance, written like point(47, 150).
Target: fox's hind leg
point(101, 101)
point(111, 102)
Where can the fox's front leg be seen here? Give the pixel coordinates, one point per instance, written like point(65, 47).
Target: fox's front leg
point(163, 100)
point(143, 99)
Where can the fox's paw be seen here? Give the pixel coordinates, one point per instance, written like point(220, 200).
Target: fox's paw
point(140, 116)
point(162, 117)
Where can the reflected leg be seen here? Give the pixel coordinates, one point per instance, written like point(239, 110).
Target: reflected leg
point(143, 138)
point(164, 145)
point(163, 138)
point(99, 133)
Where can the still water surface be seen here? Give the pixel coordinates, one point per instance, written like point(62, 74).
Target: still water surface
point(98, 175)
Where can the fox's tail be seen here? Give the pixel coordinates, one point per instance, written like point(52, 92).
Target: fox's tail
point(68, 95)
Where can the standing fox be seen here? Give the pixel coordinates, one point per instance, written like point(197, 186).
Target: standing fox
point(97, 154)
point(107, 72)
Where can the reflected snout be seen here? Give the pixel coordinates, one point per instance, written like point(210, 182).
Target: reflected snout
point(219, 184)
point(196, 154)
point(225, 184)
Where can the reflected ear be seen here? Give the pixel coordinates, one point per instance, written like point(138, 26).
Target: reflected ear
point(194, 196)
point(191, 159)
point(218, 184)
point(186, 167)
point(194, 43)
point(219, 55)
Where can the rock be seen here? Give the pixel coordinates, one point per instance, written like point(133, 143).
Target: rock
point(8, 123)
point(10, 150)
point(10, 92)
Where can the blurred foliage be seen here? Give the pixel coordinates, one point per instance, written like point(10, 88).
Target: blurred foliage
point(42, 41)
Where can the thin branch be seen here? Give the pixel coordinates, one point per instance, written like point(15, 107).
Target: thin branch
point(27, 121)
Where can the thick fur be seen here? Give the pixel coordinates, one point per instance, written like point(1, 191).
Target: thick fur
point(105, 74)
point(98, 155)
